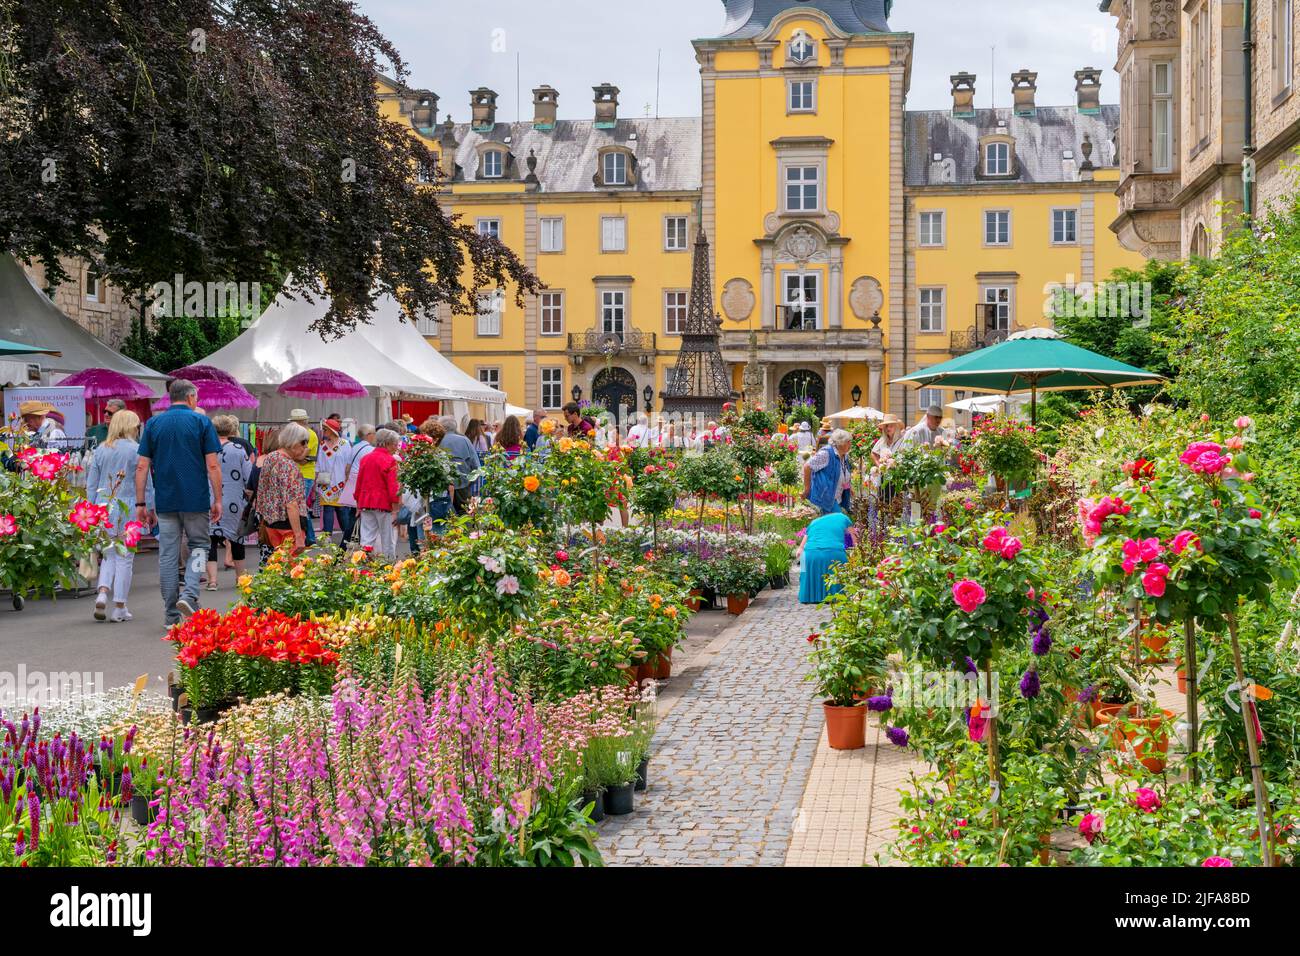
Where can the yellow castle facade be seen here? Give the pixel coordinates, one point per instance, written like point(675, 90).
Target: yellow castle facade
point(852, 240)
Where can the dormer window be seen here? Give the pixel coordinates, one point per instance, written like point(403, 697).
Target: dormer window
point(802, 47)
point(494, 164)
point(615, 166)
point(615, 169)
point(997, 157)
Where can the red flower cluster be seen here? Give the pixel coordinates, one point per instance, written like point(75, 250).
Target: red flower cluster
point(1140, 469)
point(248, 632)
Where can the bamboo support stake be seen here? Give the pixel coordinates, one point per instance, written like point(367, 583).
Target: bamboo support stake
point(1193, 717)
point(995, 767)
point(1252, 748)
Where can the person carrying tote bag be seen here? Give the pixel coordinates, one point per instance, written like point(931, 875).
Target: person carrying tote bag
point(279, 499)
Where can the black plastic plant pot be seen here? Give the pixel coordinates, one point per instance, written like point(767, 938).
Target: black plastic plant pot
point(618, 799)
point(642, 773)
point(597, 801)
point(778, 583)
point(141, 812)
point(206, 715)
point(175, 690)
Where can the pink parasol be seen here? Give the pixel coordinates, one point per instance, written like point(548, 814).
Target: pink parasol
point(101, 383)
point(211, 373)
point(215, 395)
point(323, 383)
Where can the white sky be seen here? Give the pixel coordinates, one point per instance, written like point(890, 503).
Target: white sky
point(452, 48)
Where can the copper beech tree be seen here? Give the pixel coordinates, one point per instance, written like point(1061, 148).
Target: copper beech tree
point(226, 141)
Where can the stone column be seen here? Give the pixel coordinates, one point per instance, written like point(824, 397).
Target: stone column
point(876, 384)
point(835, 298)
point(767, 293)
point(832, 386)
point(769, 385)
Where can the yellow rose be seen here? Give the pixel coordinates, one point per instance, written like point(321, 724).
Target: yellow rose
point(358, 557)
point(297, 572)
point(548, 426)
point(565, 444)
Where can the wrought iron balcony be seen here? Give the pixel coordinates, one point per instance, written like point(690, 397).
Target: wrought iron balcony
point(599, 342)
point(968, 340)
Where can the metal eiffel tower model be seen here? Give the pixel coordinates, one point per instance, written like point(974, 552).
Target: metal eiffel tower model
point(701, 382)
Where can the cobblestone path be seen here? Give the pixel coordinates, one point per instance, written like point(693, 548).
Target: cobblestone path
point(731, 758)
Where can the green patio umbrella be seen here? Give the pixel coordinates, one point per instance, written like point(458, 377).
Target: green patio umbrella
point(17, 348)
point(1037, 360)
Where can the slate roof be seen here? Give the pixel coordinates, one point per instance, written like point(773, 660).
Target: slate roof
point(667, 153)
point(749, 18)
point(1041, 141)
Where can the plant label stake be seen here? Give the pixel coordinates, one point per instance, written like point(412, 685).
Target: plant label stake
point(1262, 815)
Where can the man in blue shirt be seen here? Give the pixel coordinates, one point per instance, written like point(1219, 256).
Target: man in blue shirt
point(534, 429)
point(180, 447)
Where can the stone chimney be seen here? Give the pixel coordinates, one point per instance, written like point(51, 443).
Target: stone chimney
point(424, 111)
point(546, 101)
point(1024, 85)
point(447, 149)
point(483, 108)
point(963, 94)
point(606, 105)
point(1087, 84)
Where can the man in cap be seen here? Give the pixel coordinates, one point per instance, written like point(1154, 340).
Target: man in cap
point(96, 434)
point(927, 431)
point(308, 468)
point(44, 430)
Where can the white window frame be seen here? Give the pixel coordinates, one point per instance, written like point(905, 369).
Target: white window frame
point(990, 295)
point(556, 374)
point(429, 325)
point(489, 226)
point(925, 238)
point(806, 46)
point(792, 297)
point(550, 305)
point(613, 311)
point(491, 306)
point(489, 157)
point(95, 287)
point(801, 96)
point(1002, 167)
point(676, 301)
point(998, 243)
point(932, 309)
point(925, 397)
point(1070, 215)
point(489, 375)
point(1162, 114)
point(673, 242)
point(801, 184)
point(615, 241)
point(1282, 54)
point(556, 242)
point(615, 163)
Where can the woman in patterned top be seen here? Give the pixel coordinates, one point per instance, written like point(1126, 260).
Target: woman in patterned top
point(331, 465)
point(279, 499)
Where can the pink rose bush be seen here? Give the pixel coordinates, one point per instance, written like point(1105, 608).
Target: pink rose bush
point(968, 595)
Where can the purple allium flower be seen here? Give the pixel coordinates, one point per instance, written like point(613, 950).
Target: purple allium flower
point(880, 704)
point(897, 736)
point(1042, 643)
point(1029, 685)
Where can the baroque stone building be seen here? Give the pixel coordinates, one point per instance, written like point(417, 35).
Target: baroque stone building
point(1210, 119)
point(854, 239)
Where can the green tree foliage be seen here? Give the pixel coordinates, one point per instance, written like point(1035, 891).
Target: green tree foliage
point(226, 140)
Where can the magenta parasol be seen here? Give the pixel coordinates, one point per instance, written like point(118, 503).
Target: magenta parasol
point(323, 383)
point(215, 395)
point(211, 373)
point(102, 383)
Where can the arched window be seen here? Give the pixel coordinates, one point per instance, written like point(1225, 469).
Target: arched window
point(802, 47)
point(1200, 242)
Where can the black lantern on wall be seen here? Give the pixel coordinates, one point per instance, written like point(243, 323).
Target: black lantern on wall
point(577, 393)
point(648, 394)
point(856, 394)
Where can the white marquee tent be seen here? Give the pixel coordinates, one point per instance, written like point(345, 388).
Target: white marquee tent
point(387, 355)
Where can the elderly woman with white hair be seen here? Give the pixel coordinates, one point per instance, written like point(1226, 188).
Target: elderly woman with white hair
point(279, 497)
point(826, 475)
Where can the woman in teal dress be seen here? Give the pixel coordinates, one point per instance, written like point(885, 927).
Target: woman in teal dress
point(824, 547)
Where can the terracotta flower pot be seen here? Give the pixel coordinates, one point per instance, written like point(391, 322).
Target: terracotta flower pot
point(1046, 840)
point(846, 727)
point(630, 674)
point(1155, 642)
point(736, 603)
point(1104, 713)
point(1153, 747)
point(645, 671)
point(664, 665)
point(1182, 680)
point(693, 602)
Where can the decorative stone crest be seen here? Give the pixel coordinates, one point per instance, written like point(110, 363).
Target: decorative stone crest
point(1164, 19)
point(801, 244)
point(866, 297)
point(738, 299)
